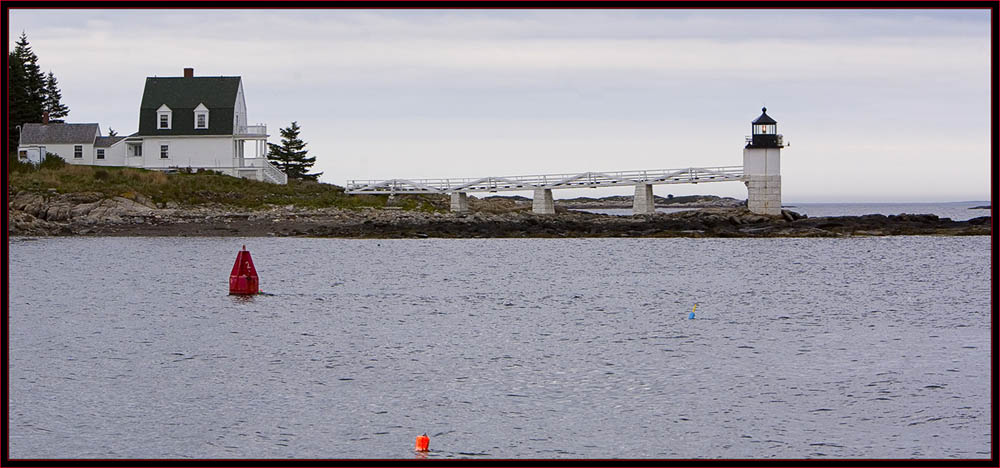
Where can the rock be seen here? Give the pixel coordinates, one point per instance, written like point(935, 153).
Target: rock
point(58, 212)
point(31, 203)
point(145, 201)
point(790, 215)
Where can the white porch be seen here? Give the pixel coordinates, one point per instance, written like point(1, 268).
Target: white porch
point(256, 167)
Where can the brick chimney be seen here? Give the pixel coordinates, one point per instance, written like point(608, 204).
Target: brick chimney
point(189, 73)
point(45, 118)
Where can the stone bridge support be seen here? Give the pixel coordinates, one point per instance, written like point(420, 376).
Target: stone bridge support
point(542, 202)
point(459, 202)
point(764, 194)
point(643, 202)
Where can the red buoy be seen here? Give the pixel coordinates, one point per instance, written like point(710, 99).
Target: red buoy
point(243, 279)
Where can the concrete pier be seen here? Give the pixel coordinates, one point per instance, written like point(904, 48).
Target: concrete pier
point(459, 202)
point(542, 202)
point(643, 202)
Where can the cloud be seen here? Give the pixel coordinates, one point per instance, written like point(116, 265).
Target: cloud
point(351, 45)
point(296, 25)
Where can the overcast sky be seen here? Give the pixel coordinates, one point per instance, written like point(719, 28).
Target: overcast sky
point(878, 105)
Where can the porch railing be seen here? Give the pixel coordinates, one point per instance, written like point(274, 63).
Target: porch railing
point(270, 170)
point(252, 130)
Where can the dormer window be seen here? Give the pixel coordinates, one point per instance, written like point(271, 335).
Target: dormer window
point(201, 117)
point(164, 118)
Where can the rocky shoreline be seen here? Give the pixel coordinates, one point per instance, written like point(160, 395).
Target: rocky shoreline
point(91, 214)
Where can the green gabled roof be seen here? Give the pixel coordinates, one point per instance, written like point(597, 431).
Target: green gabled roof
point(182, 96)
point(179, 92)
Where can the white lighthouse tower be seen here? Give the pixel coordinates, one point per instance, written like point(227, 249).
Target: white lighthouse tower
point(762, 166)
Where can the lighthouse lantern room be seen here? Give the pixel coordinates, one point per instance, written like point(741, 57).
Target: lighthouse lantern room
point(765, 132)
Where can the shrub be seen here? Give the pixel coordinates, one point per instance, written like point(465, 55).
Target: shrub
point(52, 161)
point(16, 165)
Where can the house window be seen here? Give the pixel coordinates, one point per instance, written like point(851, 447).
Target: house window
point(136, 150)
point(163, 118)
point(78, 151)
point(22, 154)
point(164, 151)
point(100, 153)
point(201, 117)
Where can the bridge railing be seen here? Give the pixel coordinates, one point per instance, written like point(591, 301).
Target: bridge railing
point(548, 181)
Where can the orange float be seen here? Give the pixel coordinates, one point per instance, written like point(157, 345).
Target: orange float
point(422, 442)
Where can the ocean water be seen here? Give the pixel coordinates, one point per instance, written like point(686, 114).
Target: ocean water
point(501, 348)
point(958, 211)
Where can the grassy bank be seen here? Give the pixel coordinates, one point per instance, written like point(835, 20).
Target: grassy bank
point(187, 189)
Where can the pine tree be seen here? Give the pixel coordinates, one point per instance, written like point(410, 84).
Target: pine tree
point(53, 106)
point(29, 92)
point(17, 101)
point(291, 157)
point(34, 80)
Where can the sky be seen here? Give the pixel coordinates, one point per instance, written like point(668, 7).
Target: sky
point(876, 105)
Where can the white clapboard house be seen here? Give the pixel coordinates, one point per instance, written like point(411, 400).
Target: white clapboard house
point(184, 122)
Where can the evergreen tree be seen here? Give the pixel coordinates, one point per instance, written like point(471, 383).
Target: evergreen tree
point(29, 92)
point(17, 101)
point(53, 106)
point(291, 157)
point(34, 80)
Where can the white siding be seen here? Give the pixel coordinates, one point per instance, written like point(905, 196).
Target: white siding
point(113, 155)
point(65, 151)
point(762, 161)
point(240, 110)
point(191, 152)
